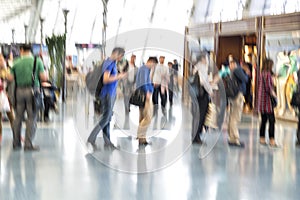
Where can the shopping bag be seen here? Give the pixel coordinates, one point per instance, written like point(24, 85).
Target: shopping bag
point(4, 103)
point(211, 116)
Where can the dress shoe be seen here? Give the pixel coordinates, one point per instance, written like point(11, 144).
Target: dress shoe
point(32, 148)
point(144, 143)
point(236, 144)
point(17, 147)
point(197, 141)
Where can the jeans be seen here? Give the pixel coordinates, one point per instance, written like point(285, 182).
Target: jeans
point(107, 104)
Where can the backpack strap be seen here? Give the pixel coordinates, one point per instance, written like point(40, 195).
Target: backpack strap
point(33, 71)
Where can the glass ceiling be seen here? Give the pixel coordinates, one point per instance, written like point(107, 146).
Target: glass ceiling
point(85, 20)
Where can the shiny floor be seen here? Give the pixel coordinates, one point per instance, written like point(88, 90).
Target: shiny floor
point(66, 169)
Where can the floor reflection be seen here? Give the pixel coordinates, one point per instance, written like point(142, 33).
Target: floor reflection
point(63, 169)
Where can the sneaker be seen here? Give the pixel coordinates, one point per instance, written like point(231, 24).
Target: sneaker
point(236, 144)
point(109, 146)
point(93, 144)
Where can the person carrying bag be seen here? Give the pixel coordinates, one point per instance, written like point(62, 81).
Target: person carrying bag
point(22, 73)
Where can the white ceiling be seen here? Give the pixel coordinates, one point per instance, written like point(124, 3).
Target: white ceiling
point(85, 17)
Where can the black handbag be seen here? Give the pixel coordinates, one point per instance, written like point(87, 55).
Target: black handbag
point(273, 101)
point(195, 87)
point(38, 99)
point(138, 98)
point(37, 94)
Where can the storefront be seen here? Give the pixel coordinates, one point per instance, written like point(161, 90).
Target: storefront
point(251, 40)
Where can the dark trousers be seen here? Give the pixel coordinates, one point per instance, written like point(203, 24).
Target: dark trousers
point(46, 111)
point(24, 104)
point(199, 117)
point(298, 128)
point(170, 96)
point(163, 97)
point(264, 118)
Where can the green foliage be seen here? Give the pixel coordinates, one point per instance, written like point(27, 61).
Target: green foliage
point(56, 46)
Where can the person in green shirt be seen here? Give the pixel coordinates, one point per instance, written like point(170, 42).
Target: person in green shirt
point(21, 72)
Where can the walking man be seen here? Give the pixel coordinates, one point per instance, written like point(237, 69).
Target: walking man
point(143, 82)
point(107, 96)
point(160, 83)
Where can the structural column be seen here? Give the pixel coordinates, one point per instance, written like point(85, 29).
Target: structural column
point(65, 12)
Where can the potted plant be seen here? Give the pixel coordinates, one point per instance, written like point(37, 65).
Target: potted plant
point(56, 46)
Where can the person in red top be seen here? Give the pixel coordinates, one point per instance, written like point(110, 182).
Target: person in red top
point(265, 89)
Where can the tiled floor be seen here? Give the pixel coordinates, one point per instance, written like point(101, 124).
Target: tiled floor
point(170, 168)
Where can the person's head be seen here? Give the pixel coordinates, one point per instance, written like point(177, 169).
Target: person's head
point(161, 59)
point(117, 54)
point(232, 64)
point(267, 65)
point(151, 62)
point(25, 48)
point(170, 64)
point(202, 58)
point(230, 57)
point(132, 58)
point(2, 61)
point(175, 61)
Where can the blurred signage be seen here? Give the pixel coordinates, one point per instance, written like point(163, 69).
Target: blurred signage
point(87, 46)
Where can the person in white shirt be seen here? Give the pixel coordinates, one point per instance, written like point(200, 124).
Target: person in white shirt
point(160, 83)
point(129, 82)
point(203, 99)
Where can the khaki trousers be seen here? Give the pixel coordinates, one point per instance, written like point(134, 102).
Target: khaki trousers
point(144, 120)
point(235, 116)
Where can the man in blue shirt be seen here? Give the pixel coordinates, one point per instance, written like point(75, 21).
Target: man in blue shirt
point(107, 96)
point(143, 82)
point(236, 105)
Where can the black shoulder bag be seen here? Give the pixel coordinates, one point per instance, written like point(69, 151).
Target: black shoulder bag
point(38, 99)
point(195, 87)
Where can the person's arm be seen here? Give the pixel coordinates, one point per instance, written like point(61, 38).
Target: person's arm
point(148, 86)
point(240, 74)
point(108, 78)
point(204, 82)
point(43, 75)
point(270, 85)
point(10, 76)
